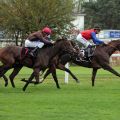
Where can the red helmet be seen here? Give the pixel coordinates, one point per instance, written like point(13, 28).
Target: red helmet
point(47, 30)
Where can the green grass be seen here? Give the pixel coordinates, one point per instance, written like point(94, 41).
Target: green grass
point(72, 102)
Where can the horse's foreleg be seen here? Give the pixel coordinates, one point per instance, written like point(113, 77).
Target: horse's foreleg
point(13, 74)
point(6, 80)
point(110, 69)
point(94, 75)
point(36, 74)
point(46, 74)
point(29, 80)
point(55, 78)
point(62, 67)
point(53, 71)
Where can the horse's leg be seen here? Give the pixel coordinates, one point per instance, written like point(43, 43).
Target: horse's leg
point(53, 71)
point(6, 80)
point(7, 64)
point(62, 67)
point(36, 74)
point(55, 78)
point(110, 69)
point(46, 74)
point(29, 80)
point(2, 72)
point(94, 75)
point(4, 69)
point(13, 74)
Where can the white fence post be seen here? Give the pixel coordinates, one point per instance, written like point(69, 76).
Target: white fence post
point(66, 74)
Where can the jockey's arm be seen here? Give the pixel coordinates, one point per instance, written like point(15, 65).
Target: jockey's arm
point(95, 39)
point(42, 39)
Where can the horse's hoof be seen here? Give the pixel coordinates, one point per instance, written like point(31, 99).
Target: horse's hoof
point(58, 87)
point(24, 89)
point(6, 84)
point(36, 83)
point(23, 80)
point(13, 86)
point(78, 81)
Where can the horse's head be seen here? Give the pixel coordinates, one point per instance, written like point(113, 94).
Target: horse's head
point(65, 46)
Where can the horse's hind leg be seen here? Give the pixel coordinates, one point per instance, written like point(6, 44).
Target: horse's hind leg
point(2, 72)
point(6, 80)
point(94, 75)
point(110, 69)
point(46, 74)
point(13, 74)
point(4, 77)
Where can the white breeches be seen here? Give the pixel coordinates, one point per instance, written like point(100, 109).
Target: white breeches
point(29, 43)
point(82, 40)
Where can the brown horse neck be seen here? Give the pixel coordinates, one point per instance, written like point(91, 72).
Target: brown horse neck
point(112, 47)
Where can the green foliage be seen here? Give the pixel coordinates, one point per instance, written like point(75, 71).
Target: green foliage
point(24, 16)
point(105, 13)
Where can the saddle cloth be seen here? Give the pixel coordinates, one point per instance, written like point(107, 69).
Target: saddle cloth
point(25, 52)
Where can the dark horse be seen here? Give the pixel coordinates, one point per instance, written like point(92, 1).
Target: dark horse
point(11, 58)
point(99, 60)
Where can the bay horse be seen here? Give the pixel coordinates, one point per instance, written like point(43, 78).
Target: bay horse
point(10, 57)
point(100, 59)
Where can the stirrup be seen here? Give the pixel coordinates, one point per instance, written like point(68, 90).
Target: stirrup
point(79, 59)
point(31, 54)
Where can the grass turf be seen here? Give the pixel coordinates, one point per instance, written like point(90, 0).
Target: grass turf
point(72, 102)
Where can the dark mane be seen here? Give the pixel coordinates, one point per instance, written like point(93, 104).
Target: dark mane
point(58, 40)
point(46, 46)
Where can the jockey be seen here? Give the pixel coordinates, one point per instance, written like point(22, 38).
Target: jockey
point(86, 35)
point(38, 39)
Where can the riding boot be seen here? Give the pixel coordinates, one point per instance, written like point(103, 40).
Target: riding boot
point(34, 52)
point(90, 50)
point(81, 56)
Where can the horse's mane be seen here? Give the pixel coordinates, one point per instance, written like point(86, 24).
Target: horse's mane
point(46, 46)
point(60, 39)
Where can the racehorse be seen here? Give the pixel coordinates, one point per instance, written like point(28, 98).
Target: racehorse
point(100, 59)
point(11, 58)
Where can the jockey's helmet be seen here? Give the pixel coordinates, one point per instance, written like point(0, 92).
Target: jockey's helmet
point(47, 30)
point(97, 28)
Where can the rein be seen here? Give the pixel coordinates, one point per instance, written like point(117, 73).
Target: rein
point(113, 46)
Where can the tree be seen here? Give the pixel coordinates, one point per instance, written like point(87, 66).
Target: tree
point(105, 13)
point(19, 17)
